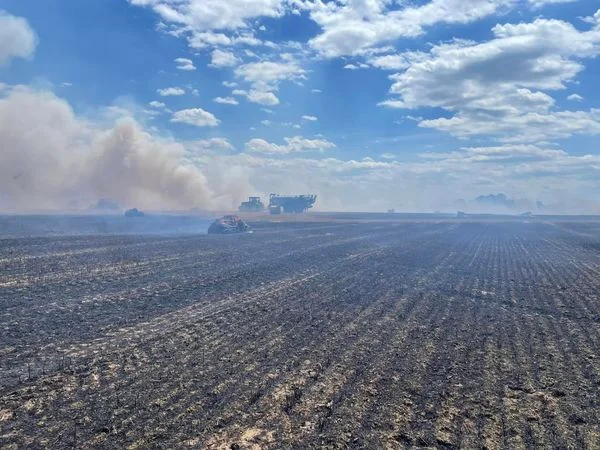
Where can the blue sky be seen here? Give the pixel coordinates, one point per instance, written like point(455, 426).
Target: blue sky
point(371, 104)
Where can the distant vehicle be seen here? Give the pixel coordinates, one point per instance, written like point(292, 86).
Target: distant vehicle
point(254, 204)
point(134, 212)
point(461, 214)
point(228, 225)
point(293, 203)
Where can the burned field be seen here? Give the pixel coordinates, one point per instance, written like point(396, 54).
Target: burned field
point(304, 335)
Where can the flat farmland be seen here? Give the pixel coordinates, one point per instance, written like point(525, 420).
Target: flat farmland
point(307, 334)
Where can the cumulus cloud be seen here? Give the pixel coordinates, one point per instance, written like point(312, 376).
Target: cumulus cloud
point(464, 77)
point(310, 118)
point(266, 75)
point(259, 97)
point(524, 127)
point(170, 91)
point(262, 98)
point(17, 38)
point(196, 117)
point(395, 61)
point(222, 58)
point(575, 97)
point(51, 159)
point(292, 145)
point(351, 27)
point(226, 100)
point(157, 105)
point(157, 108)
point(213, 22)
point(356, 66)
point(185, 64)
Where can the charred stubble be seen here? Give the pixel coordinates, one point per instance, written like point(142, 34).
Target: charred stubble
point(325, 334)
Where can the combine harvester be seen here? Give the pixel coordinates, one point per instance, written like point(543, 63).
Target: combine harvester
point(291, 204)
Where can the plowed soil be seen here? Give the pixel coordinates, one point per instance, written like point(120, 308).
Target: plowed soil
point(381, 334)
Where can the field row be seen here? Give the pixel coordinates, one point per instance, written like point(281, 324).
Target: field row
point(448, 335)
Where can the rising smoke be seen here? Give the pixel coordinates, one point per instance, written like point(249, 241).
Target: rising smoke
point(52, 159)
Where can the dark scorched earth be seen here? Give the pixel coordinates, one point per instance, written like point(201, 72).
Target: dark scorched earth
point(326, 334)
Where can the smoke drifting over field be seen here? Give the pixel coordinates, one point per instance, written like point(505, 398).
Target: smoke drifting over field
point(51, 159)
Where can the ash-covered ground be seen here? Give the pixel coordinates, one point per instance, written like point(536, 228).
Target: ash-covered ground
point(327, 332)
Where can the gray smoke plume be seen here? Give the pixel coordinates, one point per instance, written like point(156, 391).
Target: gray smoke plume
point(51, 159)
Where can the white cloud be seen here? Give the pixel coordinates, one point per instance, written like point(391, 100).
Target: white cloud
point(266, 75)
point(262, 98)
point(200, 146)
point(392, 104)
point(17, 38)
point(356, 66)
point(351, 27)
point(229, 84)
point(222, 58)
point(185, 64)
point(316, 91)
point(575, 97)
point(463, 77)
point(388, 156)
point(594, 20)
point(202, 40)
point(259, 97)
point(540, 3)
point(226, 100)
point(292, 145)
point(196, 117)
point(524, 127)
point(174, 91)
point(396, 61)
point(310, 118)
point(157, 105)
point(213, 22)
point(66, 84)
point(508, 153)
point(266, 123)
